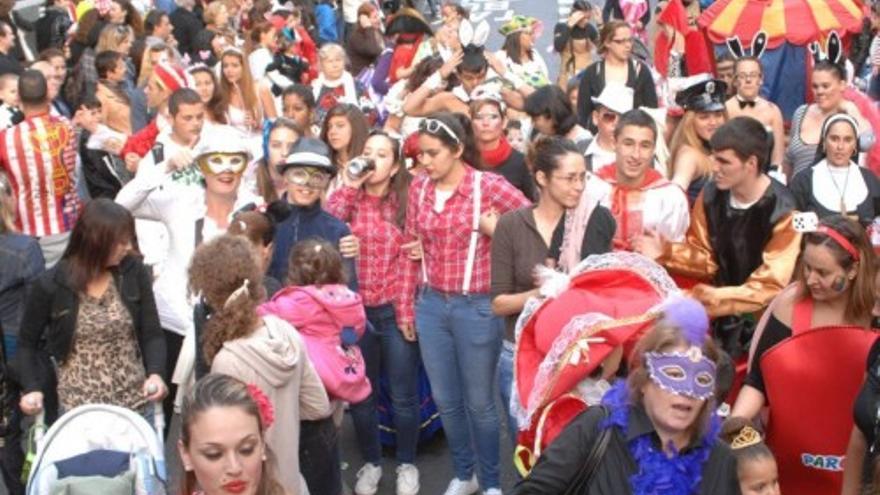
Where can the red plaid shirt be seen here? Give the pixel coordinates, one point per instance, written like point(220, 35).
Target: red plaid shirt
point(446, 235)
point(381, 259)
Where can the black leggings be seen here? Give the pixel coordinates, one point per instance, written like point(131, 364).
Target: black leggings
point(173, 343)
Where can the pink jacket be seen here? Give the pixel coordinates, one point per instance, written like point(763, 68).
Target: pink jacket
point(330, 319)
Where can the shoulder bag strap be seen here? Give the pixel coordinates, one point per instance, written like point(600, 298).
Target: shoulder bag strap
point(581, 482)
point(475, 235)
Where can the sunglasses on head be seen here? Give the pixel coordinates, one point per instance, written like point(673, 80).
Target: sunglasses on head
point(307, 177)
point(436, 127)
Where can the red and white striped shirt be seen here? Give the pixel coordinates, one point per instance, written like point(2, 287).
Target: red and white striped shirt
point(39, 156)
point(446, 235)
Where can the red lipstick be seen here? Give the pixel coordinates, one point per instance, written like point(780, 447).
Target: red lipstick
point(235, 486)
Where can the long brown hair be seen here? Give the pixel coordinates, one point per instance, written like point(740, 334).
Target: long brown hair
point(860, 297)
point(216, 390)
point(246, 85)
point(213, 106)
point(360, 129)
point(101, 227)
point(402, 179)
point(218, 269)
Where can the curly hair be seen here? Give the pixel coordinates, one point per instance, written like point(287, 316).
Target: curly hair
point(218, 269)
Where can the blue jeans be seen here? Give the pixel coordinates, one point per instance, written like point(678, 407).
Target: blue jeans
point(460, 340)
point(385, 349)
point(505, 386)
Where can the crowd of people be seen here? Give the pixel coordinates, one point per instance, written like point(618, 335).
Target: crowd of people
point(268, 215)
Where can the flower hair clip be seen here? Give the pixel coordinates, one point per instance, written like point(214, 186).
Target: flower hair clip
point(264, 405)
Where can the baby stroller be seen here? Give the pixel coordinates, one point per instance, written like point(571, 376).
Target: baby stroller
point(99, 448)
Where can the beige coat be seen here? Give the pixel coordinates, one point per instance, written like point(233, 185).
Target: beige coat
point(274, 358)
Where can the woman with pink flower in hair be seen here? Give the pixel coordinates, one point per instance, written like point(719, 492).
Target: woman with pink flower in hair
point(263, 351)
point(223, 444)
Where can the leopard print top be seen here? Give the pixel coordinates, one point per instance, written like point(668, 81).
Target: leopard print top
point(104, 365)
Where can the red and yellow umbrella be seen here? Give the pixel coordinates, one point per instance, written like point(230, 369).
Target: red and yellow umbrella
point(796, 21)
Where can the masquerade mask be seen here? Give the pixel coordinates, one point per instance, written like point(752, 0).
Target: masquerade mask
point(218, 163)
point(306, 177)
point(688, 373)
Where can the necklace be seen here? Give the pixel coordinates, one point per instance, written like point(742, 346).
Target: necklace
point(840, 191)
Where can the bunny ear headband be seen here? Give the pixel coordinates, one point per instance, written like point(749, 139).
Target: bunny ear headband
point(469, 35)
point(833, 49)
point(759, 44)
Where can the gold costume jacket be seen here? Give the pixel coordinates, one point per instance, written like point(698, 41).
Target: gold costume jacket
point(741, 258)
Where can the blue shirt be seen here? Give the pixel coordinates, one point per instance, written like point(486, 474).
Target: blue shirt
point(308, 222)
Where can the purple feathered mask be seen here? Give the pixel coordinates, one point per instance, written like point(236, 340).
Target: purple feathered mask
point(687, 373)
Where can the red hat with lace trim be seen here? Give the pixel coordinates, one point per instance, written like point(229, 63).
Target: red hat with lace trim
point(610, 301)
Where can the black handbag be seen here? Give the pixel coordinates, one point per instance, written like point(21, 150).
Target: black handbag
point(581, 482)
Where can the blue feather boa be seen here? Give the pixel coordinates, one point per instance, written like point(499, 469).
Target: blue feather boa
point(658, 473)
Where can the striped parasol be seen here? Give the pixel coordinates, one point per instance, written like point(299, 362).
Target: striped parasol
point(798, 22)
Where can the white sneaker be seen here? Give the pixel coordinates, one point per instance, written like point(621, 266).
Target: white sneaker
point(493, 491)
point(368, 479)
point(462, 487)
point(407, 479)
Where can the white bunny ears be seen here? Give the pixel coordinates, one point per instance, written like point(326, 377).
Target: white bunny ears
point(469, 35)
point(833, 49)
point(759, 44)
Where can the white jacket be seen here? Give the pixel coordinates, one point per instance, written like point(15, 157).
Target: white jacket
point(153, 195)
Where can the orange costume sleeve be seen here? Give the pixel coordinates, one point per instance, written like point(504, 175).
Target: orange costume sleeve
point(694, 258)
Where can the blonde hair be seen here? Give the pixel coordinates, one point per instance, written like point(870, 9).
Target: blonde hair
point(212, 11)
point(686, 135)
point(147, 62)
point(112, 36)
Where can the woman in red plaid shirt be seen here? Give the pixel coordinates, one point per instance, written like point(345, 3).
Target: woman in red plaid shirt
point(451, 214)
point(374, 204)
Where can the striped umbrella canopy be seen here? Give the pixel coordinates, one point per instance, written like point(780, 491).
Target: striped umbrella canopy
point(798, 22)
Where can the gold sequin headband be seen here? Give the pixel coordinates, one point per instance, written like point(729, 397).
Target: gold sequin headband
point(747, 437)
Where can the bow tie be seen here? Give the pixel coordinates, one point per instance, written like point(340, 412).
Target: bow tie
point(745, 103)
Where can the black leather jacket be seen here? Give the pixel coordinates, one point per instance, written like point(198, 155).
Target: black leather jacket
point(50, 315)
